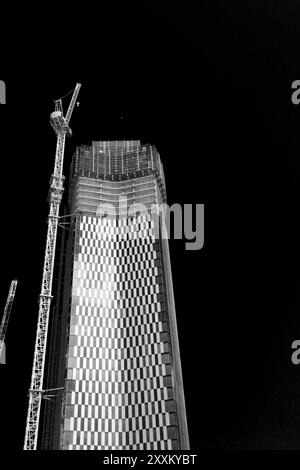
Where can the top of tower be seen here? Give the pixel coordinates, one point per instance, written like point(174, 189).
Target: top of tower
point(117, 160)
point(116, 147)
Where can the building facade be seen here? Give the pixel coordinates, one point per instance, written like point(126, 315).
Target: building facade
point(114, 352)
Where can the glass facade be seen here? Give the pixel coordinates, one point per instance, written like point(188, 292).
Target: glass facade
point(120, 366)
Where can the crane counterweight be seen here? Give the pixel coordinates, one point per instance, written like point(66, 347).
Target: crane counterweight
point(58, 123)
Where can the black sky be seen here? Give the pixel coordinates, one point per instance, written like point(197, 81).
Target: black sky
point(211, 88)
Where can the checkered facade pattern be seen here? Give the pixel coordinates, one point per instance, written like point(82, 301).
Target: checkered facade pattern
point(119, 374)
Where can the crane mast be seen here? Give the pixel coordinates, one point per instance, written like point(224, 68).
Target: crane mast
point(60, 125)
point(6, 314)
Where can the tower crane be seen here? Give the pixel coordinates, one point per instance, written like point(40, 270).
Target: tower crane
point(60, 124)
point(6, 314)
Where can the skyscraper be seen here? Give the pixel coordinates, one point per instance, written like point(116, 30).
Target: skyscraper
point(114, 352)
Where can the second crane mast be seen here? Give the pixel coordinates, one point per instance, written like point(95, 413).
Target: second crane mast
point(6, 314)
point(61, 126)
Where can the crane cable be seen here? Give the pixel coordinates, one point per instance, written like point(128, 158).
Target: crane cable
point(59, 99)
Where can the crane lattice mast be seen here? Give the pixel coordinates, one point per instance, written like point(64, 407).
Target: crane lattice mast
point(60, 125)
point(6, 314)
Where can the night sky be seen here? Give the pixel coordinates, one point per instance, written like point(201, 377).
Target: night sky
point(211, 88)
